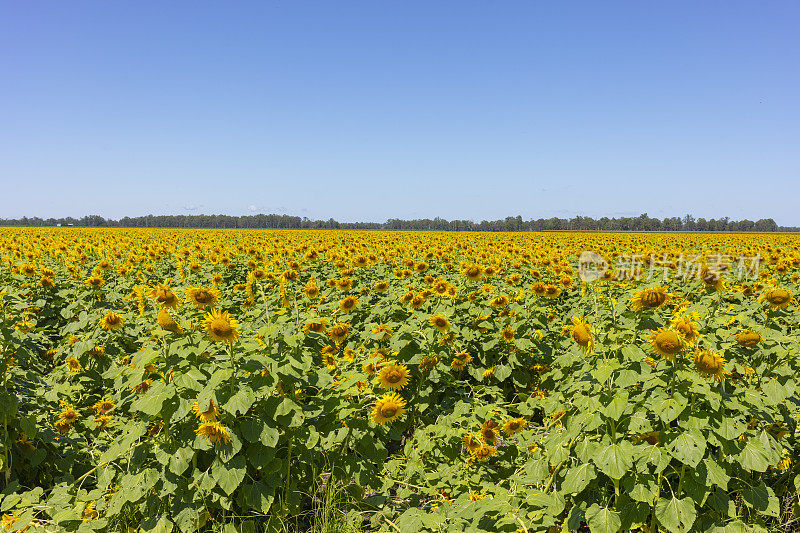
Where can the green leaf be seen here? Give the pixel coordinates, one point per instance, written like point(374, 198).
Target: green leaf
point(259, 496)
point(716, 474)
point(603, 519)
point(671, 408)
point(616, 407)
point(688, 448)
point(761, 498)
point(240, 402)
point(578, 478)
point(754, 456)
point(676, 516)
point(179, 462)
point(229, 475)
point(614, 459)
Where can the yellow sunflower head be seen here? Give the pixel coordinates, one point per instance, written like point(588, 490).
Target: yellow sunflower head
point(202, 296)
point(393, 377)
point(214, 432)
point(166, 321)
point(388, 409)
point(112, 321)
point(748, 339)
point(667, 343)
point(582, 334)
point(439, 323)
point(221, 327)
point(513, 426)
point(710, 364)
point(778, 298)
point(650, 298)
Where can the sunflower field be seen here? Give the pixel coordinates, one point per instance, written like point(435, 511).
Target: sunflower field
point(184, 380)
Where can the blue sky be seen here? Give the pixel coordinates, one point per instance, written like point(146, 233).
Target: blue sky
point(375, 110)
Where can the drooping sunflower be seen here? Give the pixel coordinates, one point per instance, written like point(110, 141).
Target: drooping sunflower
point(103, 406)
point(489, 431)
point(388, 409)
point(168, 323)
point(202, 296)
point(214, 432)
point(470, 442)
point(499, 301)
point(686, 328)
point(393, 377)
point(748, 338)
point(582, 334)
point(513, 426)
point(778, 298)
point(710, 364)
point(221, 327)
point(95, 282)
point(667, 343)
point(439, 323)
point(112, 321)
point(208, 415)
point(164, 295)
point(650, 298)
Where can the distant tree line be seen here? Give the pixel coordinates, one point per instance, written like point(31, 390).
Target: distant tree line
point(640, 223)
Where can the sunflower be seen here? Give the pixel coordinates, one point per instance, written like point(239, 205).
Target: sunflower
point(73, 365)
point(650, 298)
point(667, 343)
point(103, 406)
point(513, 426)
point(209, 415)
point(339, 331)
point(428, 363)
point(470, 442)
point(164, 295)
point(489, 431)
point(552, 291)
point(712, 277)
point(381, 286)
point(484, 452)
point(499, 301)
point(507, 335)
point(393, 377)
point(582, 334)
point(686, 328)
point(539, 288)
point(202, 296)
point(748, 338)
point(710, 364)
point(214, 432)
point(348, 304)
point(318, 325)
point(778, 298)
point(439, 323)
point(220, 327)
point(389, 408)
point(166, 321)
point(95, 282)
point(472, 272)
point(112, 321)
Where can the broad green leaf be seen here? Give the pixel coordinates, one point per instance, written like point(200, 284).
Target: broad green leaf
point(614, 459)
point(688, 447)
point(578, 478)
point(603, 519)
point(229, 474)
point(674, 515)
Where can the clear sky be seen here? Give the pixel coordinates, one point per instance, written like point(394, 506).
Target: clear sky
point(408, 109)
